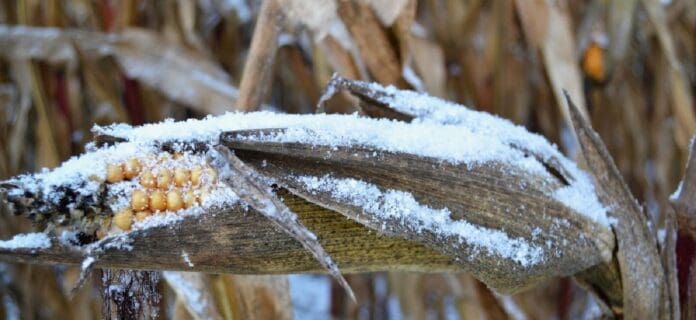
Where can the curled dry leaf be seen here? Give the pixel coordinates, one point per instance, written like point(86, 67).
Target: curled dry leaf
point(642, 275)
point(179, 74)
point(348, 179)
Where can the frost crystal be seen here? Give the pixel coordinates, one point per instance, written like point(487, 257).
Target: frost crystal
point(27, 241)
point(402, 207)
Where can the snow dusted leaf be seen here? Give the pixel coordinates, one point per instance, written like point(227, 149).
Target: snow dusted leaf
point(455, 209)
point(250, 188)
point(642, 276)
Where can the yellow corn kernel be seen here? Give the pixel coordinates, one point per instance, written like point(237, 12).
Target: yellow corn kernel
point(131, 168)
point(164, 178)
point(141, 215)
point(139, 200)
point(190, 198)
point(196, 174)
point(158, 202)
point(174, 200)
point(124, 219)
point(181, 177)
point(147, 180)
point(114, 173)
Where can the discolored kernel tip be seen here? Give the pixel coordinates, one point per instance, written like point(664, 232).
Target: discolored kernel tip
point(164, 178)
point(132, 168)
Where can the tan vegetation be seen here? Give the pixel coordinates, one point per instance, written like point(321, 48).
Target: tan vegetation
point(629, 66)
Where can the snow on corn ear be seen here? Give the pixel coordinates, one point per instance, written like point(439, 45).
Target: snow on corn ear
point(126, 192)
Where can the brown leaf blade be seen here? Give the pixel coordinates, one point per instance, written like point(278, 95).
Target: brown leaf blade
point(642, 275)
point(487, 196)
point(248, 187)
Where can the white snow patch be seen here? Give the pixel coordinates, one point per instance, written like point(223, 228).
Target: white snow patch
point(662, 235)
point(68, 238)
point(185, 256)
point(575, 197)
point(677, 193)
point(402, 207)
point(428, 109)
point(35, 240)
point(86, 263)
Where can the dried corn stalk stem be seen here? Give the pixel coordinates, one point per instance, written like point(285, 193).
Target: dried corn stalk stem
point(129, 294)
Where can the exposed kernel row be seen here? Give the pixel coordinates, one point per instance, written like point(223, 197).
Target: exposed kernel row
point(167, 185)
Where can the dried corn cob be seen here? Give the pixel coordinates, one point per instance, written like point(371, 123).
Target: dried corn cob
point(130, 192)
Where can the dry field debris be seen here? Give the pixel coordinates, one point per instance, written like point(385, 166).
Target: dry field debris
point(462, 159)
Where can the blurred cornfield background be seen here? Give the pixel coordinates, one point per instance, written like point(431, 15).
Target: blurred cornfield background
point(67, 65)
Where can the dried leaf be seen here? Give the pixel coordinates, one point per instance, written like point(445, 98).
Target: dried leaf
point(259, 65)
point(250, 188)
point(180, 75)
point(372, 41)
point(258, 297)
point(682, 100)
point(620, 25)
point(557, 49)
point(642, 276)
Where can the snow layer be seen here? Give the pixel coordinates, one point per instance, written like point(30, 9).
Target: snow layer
point(442, 130)
point(472, 138)
point(424, 139)
point(27, 241)
point(402, 207)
